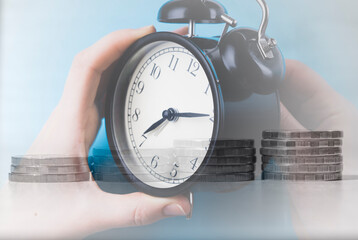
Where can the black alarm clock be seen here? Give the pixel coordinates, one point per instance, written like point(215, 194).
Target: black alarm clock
point(169, 87)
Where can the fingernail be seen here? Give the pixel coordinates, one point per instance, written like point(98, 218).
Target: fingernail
point(173, 210)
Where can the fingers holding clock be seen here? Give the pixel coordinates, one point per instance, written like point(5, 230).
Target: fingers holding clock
point(88, 66)
point(76, 119)
point(73, 125)
point(182, 31)
point(310, 99)
point(137, 209)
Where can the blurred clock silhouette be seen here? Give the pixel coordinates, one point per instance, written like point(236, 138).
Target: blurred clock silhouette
point(170, 87)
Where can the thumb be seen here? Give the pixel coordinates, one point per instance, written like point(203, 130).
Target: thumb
point(136, 209)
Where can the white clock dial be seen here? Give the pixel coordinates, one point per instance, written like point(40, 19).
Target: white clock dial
point(169, 98)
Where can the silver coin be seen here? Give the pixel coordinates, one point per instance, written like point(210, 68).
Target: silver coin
point(49, 160)
point(301, 143)
point(222, 152)
point(145, 152)
point(222, 161)
point(240, 160)
point(239, 143)
point(234, 152)
point(49, 178)
point(121, 177)
point(67, 169)
point(216, 161)
point(301, 176)
point(301, 151)
point(238, 168)
point(100, 160)
point(332, 159)
point(232, 177)
point(301, 134)
point(103, 169)
point(210, 169)
point(196, 143)
point(302, 168)
point(237, 177)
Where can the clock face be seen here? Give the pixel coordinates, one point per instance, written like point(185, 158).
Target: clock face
point(168, 98)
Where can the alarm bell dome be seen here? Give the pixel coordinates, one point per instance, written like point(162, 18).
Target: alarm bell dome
point(200, 11)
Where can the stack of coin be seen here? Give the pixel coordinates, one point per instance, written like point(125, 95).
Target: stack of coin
point(302, 155)
point(49, 169)
point(231, 160)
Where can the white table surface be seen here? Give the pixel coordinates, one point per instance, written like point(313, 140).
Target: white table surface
point(264, 210)
point(256, 210)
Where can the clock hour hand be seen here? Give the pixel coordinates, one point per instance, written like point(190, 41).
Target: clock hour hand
point(155, 125)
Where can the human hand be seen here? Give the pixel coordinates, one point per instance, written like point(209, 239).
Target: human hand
point(69, 210)
point(76, 210)
point(308, 102)
point(74, 123)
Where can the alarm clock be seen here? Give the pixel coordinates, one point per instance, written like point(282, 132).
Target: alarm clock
point(169, 87)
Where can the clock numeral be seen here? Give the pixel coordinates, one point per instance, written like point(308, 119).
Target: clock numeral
point(156, 71)
point(193, 67)
point(154, 162)
point(140, 87)
point(136, 114)
point(207, 89)
point(193, 163)
point(173, 62)
point(174, 171)
point(145, 139)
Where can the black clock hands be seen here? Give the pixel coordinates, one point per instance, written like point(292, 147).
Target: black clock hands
point(166, 115)
point(172, 115)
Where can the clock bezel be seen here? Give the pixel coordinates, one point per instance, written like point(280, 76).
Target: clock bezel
point(217, 100)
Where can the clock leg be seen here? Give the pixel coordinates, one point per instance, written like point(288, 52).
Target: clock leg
point(190, 196)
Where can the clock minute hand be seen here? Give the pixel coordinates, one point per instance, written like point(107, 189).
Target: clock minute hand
point(172, 115)
point(191, 115)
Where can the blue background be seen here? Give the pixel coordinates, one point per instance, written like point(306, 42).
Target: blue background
point(39, 38)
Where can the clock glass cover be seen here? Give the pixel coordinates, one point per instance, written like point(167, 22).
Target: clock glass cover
point(163, 94)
